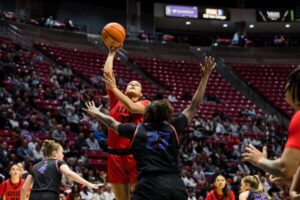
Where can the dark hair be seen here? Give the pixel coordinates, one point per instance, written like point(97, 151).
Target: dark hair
point(158, 111)
point(293, 82)
point(49, 146)
point(225, 190)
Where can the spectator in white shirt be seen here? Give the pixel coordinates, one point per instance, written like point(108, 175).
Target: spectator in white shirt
point(86, 194)
point(92, 143)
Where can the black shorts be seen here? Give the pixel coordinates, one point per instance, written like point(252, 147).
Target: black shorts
point(44, 196)
point(163, 187)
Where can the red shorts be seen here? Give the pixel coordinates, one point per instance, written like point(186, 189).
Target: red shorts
point(121, 169)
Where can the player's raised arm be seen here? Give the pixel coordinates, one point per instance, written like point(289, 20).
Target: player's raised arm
point(207, 68)
point(107, 120)
point(108, 66)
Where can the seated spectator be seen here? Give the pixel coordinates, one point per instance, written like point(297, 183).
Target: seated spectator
point(98, 194)
point(80, 143)
point(69, 24)
point(108, 194)
point(4, 155)
point(59, 134)
point(199, 175)
point(50, 22)
point(172, 98)
point(24, 152)
point(279, 40)
point(221, 190)
point(32, 144)
point(188, 180)
point(86, 194)
point(14, 123)
point(143, 36)
point(99, 135)
point(92, 143)
point(25, 133)
point(38, 153)
point(121, 82)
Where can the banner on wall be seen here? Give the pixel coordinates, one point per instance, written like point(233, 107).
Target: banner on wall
point(181, 11)
point(273, 15)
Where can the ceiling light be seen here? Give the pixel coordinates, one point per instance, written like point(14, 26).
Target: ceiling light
point(287, 26)
point(188, 23)
point(251, 26)
point(225, 25)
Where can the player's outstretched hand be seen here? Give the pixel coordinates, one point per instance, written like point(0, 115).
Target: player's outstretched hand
point(208, 66)
point(91, 108)
point(253, 155)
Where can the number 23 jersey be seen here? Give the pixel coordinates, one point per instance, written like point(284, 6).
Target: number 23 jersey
point(155, 146)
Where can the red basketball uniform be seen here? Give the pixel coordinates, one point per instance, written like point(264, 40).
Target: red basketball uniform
point(121, 168)
point(293, 140)
point(11, 191)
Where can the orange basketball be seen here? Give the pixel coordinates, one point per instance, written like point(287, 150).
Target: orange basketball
point(113, 35)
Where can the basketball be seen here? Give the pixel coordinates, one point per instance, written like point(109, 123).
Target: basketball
point(113, 35)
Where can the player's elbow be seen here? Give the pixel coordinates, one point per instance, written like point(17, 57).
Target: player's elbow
point(68, 174)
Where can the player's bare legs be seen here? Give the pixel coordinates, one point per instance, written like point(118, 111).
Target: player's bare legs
point(121, 191)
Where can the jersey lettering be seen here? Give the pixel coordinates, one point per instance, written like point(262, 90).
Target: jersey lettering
point(157, 140)
point(43, 168)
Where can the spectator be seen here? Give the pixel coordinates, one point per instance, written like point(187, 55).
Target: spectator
point(59, 135)
point(32, 144)
point(199, 175)
point(86, 194)
point(172, 98)
point(50, 22)
point(37, 153)
point(92, 143)
point(24, 152)
point(221, 190)
point(80, 143)
point(107, 194)
point(188, 180)
point(25, 133)
point(4, 155)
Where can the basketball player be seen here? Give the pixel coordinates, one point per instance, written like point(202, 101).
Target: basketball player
point(46, 176)
point(125, 108)
point(286, 166)
point(11, 188)
point(155, 143)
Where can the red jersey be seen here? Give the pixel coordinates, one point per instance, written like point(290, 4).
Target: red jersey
point(212, 195)
point(120, 113)
point(11, 191)
point(293, 140)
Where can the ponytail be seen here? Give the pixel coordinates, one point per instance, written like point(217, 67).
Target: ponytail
point(260, 187)
point(255, 183)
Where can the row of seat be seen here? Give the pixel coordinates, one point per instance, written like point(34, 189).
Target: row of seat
point(269, 80)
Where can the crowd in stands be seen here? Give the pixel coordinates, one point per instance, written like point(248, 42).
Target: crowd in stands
point(35, 106)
